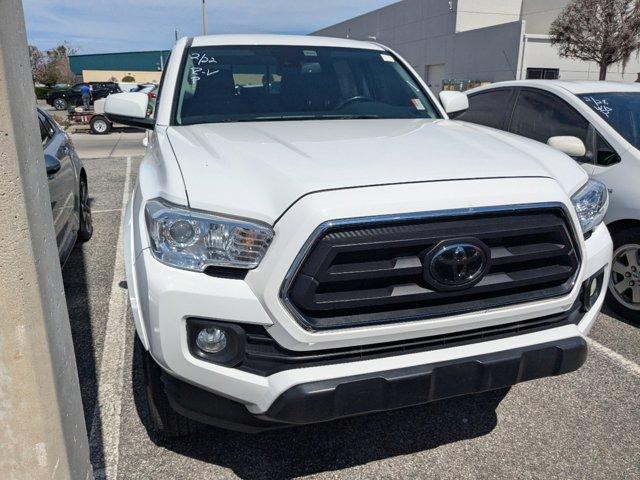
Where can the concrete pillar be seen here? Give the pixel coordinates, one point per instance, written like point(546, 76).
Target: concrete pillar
point(42, 429)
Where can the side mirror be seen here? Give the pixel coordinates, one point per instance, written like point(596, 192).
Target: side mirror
point(52, 164)
point(454, 102)
point(572, 146)
point(129, 109)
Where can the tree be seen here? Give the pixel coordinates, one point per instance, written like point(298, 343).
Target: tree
point(52, 67)
point(602, 31)
point(58, 68)
point(38, 63)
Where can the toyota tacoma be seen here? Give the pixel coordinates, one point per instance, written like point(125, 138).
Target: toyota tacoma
point(312, 238)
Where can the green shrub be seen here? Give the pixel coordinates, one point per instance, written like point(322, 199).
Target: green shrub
point(41, 92)
point(128, 78)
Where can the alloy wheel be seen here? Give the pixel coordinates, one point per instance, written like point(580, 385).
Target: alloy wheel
point(624, 284)
point(100, 126)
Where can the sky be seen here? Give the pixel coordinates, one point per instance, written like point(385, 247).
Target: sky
point(101, 26)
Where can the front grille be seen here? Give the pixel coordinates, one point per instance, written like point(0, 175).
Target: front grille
point(370, 272)
point(263, 356)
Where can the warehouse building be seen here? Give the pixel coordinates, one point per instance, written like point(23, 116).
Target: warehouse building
point(463, 43)
point(143, 67)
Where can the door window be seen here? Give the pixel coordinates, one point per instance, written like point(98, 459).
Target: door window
point(487, 108)
point(540, 116)
point(46, 130)
point(48, 125)
point(605, 153)
point(44, 133)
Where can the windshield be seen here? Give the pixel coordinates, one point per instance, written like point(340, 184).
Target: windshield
point(262, 83)
point(620, 110)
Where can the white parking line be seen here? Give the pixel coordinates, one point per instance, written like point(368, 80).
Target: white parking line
point(110, 210)
point(630, 366)
point(104, 438)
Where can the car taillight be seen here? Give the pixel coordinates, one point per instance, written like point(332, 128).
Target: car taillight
point(152, 94)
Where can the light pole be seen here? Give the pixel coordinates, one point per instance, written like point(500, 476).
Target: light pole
point(204, 17)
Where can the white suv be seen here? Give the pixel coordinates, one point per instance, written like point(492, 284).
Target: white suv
point(604, 120)
point(311, 238)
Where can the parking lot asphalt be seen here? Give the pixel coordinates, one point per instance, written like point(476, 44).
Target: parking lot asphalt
point(122, 142)
point(582, 425)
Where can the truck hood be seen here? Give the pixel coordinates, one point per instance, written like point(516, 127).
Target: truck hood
point(257, 170)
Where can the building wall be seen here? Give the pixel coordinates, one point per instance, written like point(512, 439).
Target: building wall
point(473, 14)
point(539, 53)
point(424, 33)
point(107, 75)
point(539, 14)
point(417, 29)
point(476, 40)
point(489, 54)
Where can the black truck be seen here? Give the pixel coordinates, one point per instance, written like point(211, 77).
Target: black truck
point(71, 97)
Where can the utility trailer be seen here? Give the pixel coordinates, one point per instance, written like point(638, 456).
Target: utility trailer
point(94, 117)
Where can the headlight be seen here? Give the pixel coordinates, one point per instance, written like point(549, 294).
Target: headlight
point(591, 203)
point(194, 240)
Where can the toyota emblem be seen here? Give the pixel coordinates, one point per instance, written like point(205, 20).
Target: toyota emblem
point(456, 265)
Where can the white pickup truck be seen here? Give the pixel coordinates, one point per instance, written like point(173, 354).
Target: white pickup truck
point(312, 238)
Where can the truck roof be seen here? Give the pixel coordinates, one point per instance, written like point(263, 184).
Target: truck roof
point(297, 40)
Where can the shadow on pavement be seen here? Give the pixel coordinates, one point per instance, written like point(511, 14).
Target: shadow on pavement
point(615, 315)
point(74, 275)
point(330, 446)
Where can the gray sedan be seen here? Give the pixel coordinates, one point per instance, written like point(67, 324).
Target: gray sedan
point(68, 187)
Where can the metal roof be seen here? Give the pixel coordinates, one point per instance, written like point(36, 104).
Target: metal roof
point(124, 61)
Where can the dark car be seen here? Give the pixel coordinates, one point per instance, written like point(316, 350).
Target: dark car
point(64, 98)
point(68, 187)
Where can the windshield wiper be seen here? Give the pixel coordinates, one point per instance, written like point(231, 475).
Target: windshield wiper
point(286, 117)
point(350, 117)
point(306, 117)
point(298, 117)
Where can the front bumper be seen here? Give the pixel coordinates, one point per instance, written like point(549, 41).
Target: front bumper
point(326, 400)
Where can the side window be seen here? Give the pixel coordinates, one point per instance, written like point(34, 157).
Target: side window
point(540, 116)
point(48, 125)
point(605, 154)
point(45, 134)
point(488, 108)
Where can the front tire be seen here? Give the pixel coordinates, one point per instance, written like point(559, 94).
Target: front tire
point(60, 104)
point(165, 420)
point(623, 296)
point(85, 232)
